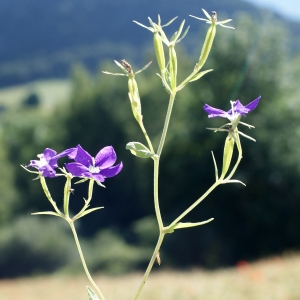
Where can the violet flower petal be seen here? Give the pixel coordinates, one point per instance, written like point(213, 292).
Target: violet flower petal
point(47, 171)
point(215, 112)
point(82, 157)
point(252, 105)
point(49, 153)
point(239, 109)
point(112, 171)
point(77, 169)
point(98, 177)
point(106, 157)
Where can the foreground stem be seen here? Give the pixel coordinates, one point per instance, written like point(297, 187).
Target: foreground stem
point(150, 265)
point(83, 261)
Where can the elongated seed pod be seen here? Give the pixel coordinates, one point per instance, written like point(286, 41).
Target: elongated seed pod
point(227, 155)
point(159, 51)
point(173, 66)
point(207, 45)
point(134, 98)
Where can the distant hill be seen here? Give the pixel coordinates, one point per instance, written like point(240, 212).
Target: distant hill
point(42, 39)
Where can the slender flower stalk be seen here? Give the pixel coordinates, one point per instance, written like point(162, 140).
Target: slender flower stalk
point(150, 265)
point(83, 260)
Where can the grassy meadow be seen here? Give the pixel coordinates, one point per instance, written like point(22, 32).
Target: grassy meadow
point(276, 278)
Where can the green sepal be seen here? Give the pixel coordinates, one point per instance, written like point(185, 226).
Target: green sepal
point(183, 35)
point(139, 150)
point(181, 225)
point(228, 151)
point(92, 295)
point(81, 180)
point(199, 75)
point(171, 21)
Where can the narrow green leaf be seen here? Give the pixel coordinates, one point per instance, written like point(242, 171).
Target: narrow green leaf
point(200, 74)
point(233, 181)
point(139, 150)
point(92, 294)
point(47, 213)
point(88, 211)
point(216, 167)
point(190, 224)
point(181, 225)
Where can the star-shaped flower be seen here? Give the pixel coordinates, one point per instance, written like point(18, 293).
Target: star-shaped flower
point(237, 110)
point(48, 161)
point(97, 168)
point(233, 115)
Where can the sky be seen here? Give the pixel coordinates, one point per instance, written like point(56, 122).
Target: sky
point(287, 8)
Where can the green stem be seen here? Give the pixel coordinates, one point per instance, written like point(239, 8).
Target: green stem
point(67, 191)
point(87, 202)
point(48, 195)
point(146, 137)
point(83, 260)
point(195, 203)
point(150, 265)
point(156, 200)
point(167, 121)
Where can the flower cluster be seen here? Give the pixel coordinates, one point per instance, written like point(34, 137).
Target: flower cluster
point(84, 165)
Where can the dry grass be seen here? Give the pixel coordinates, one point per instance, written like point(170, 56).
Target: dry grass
point(276, 279)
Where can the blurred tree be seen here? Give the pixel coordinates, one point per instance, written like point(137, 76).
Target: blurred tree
point(31, 100)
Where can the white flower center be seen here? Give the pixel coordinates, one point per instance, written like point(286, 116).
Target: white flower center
point(43, 162)
point(94, 169)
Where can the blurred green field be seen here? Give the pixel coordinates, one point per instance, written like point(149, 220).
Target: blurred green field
point(276, 278)
point(49, 92)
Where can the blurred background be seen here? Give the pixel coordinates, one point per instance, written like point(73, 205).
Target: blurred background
point(54, 95)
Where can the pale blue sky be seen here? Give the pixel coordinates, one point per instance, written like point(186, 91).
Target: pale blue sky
point(288, 8)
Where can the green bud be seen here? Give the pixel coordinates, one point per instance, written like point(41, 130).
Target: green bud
point(159, 51)
point(173, 66)
point(228, 151)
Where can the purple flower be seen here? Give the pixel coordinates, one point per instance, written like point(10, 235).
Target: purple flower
point(237, 110)
point(97, 168)
point(48, 161)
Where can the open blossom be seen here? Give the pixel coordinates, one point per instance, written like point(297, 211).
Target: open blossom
point(97, 168)
point(235, 113)
point(48, 161)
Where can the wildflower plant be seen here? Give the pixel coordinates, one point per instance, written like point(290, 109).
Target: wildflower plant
point(102, 166)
